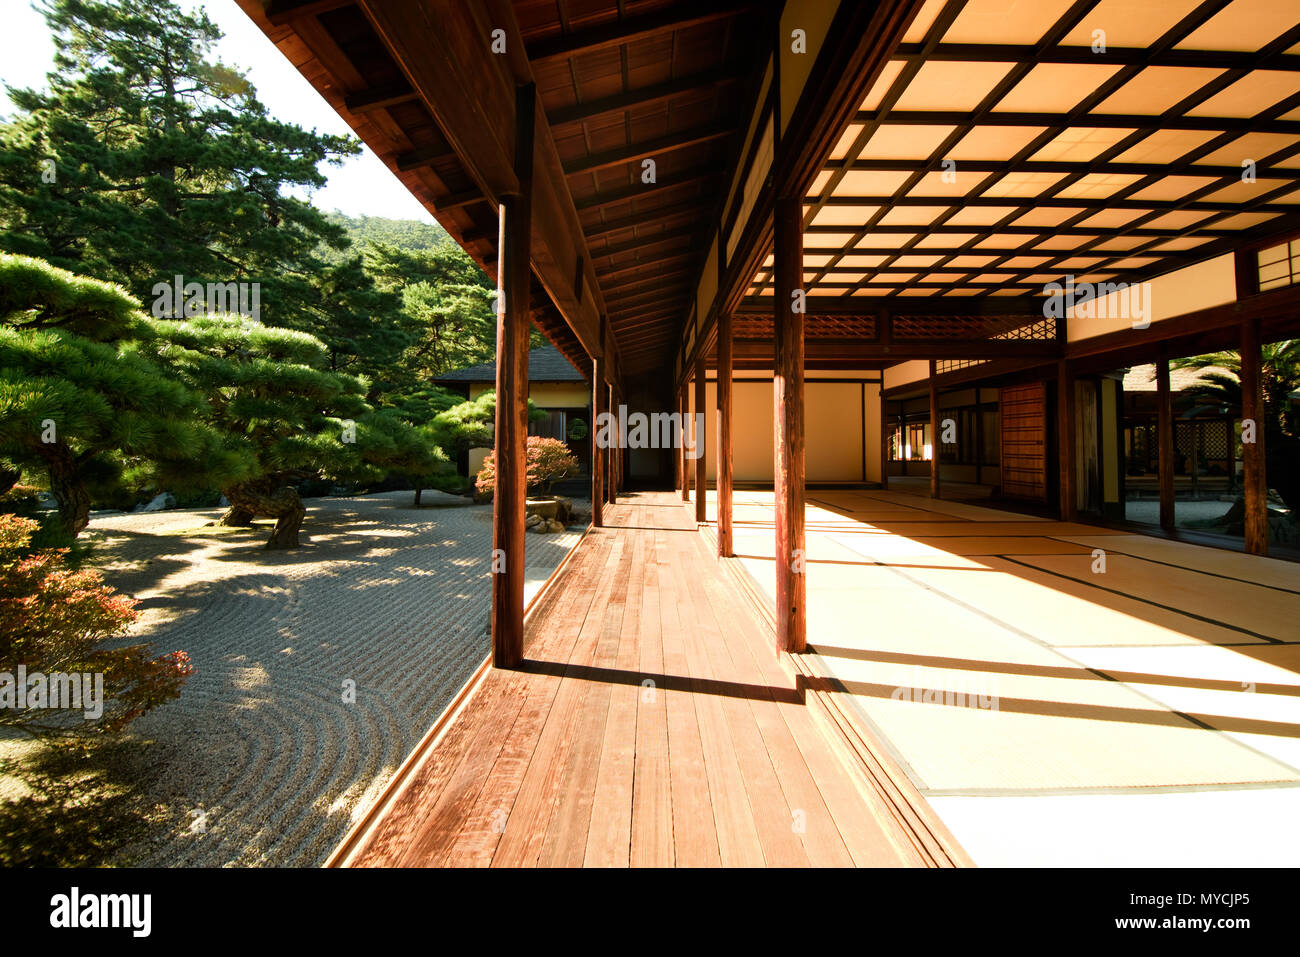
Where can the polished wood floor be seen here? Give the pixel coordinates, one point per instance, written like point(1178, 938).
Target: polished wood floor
point(652, 725)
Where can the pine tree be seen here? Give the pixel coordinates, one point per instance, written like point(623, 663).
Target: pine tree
point(79, 399)
point(148, 159)
point(272, 388)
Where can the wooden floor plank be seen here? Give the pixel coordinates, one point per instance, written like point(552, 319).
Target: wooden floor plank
point(565, 842)
point(525, 829)
point(695, 837)
point(773, 816)
point(609, 835)
point(652, 802)
point(733, 818)
point(571, 760)
point(466, 825)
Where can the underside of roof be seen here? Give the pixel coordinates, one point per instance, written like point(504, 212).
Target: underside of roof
point(619, 84)
point(955, 157)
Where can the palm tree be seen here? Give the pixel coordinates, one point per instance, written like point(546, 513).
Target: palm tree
point(1280, 377)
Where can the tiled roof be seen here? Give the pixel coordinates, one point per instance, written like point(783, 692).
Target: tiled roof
point(545, 364)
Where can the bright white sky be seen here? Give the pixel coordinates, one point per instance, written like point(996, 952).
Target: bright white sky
point(362, 186)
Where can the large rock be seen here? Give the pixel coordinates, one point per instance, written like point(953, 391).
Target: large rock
point(545, 507)
point(159, 502)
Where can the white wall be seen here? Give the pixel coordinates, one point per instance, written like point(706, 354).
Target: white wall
point(841, 419)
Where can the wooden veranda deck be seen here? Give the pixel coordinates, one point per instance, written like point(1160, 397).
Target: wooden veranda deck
point(652, 724)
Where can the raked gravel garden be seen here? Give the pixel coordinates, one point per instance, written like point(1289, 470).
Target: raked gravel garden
point(262, 760)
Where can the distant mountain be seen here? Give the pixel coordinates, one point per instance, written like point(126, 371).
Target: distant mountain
point(408, 234)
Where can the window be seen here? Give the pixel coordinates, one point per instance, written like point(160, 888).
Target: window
point(1279, 265)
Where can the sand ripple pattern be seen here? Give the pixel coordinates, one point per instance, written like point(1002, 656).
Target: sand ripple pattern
point(260, 761)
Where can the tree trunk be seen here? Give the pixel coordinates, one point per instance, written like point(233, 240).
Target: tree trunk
point(70, 492)
point(236, 516)
point(8, 478)
point(419, 488)
point(282, 504)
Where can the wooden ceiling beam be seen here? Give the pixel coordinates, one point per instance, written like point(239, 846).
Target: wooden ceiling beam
point(909, 349)
point(1028, 307)
point(625, 268)
point(676, 295)
point(670, 235)
point(640, 190)
point(380, 97)
point(420, 157)
point(444, 49)
point(636, 152)
point(636, 99)
point(629, 30)
point(648, 218)
point(1141, 122)
point(1123, 56)
point(280, 12)
point(1042, 166)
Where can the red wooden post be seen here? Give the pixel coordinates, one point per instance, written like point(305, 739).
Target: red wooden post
point(1165, 441)
point(597, 453)
point(620, 454)
point(936, 430)
point(514, 275)
point(1254, 477)
point(1065, 439)
point(684, 463)
point(788, 409)
point(723, 468)
point(701, 480)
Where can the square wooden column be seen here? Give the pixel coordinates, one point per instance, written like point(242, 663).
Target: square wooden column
point(1165, 441)
point(612, 455)
point(514, 275)
point(935, 430)
point(597, 453)
point(701, 503)
point(683, 462)
point(679, 460)
point(884, 436)
point(723, 466)
point(1254, 476)
point(788, 410)
point(1065, 439)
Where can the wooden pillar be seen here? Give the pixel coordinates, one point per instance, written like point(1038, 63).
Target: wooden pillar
point(1165, 441)
point(1065, 439)
point(788, 410)
point(723, 466)
point(884, 436)
point(1254, 477)
point(514, 275)
point(701, 481)
point(979, 437)
point(935, 430)
point(679, 457)
point(684, 463)
point(615, 451)
point(597, 453)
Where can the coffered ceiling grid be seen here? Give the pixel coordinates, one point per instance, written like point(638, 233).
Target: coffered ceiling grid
point(1000, 151)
